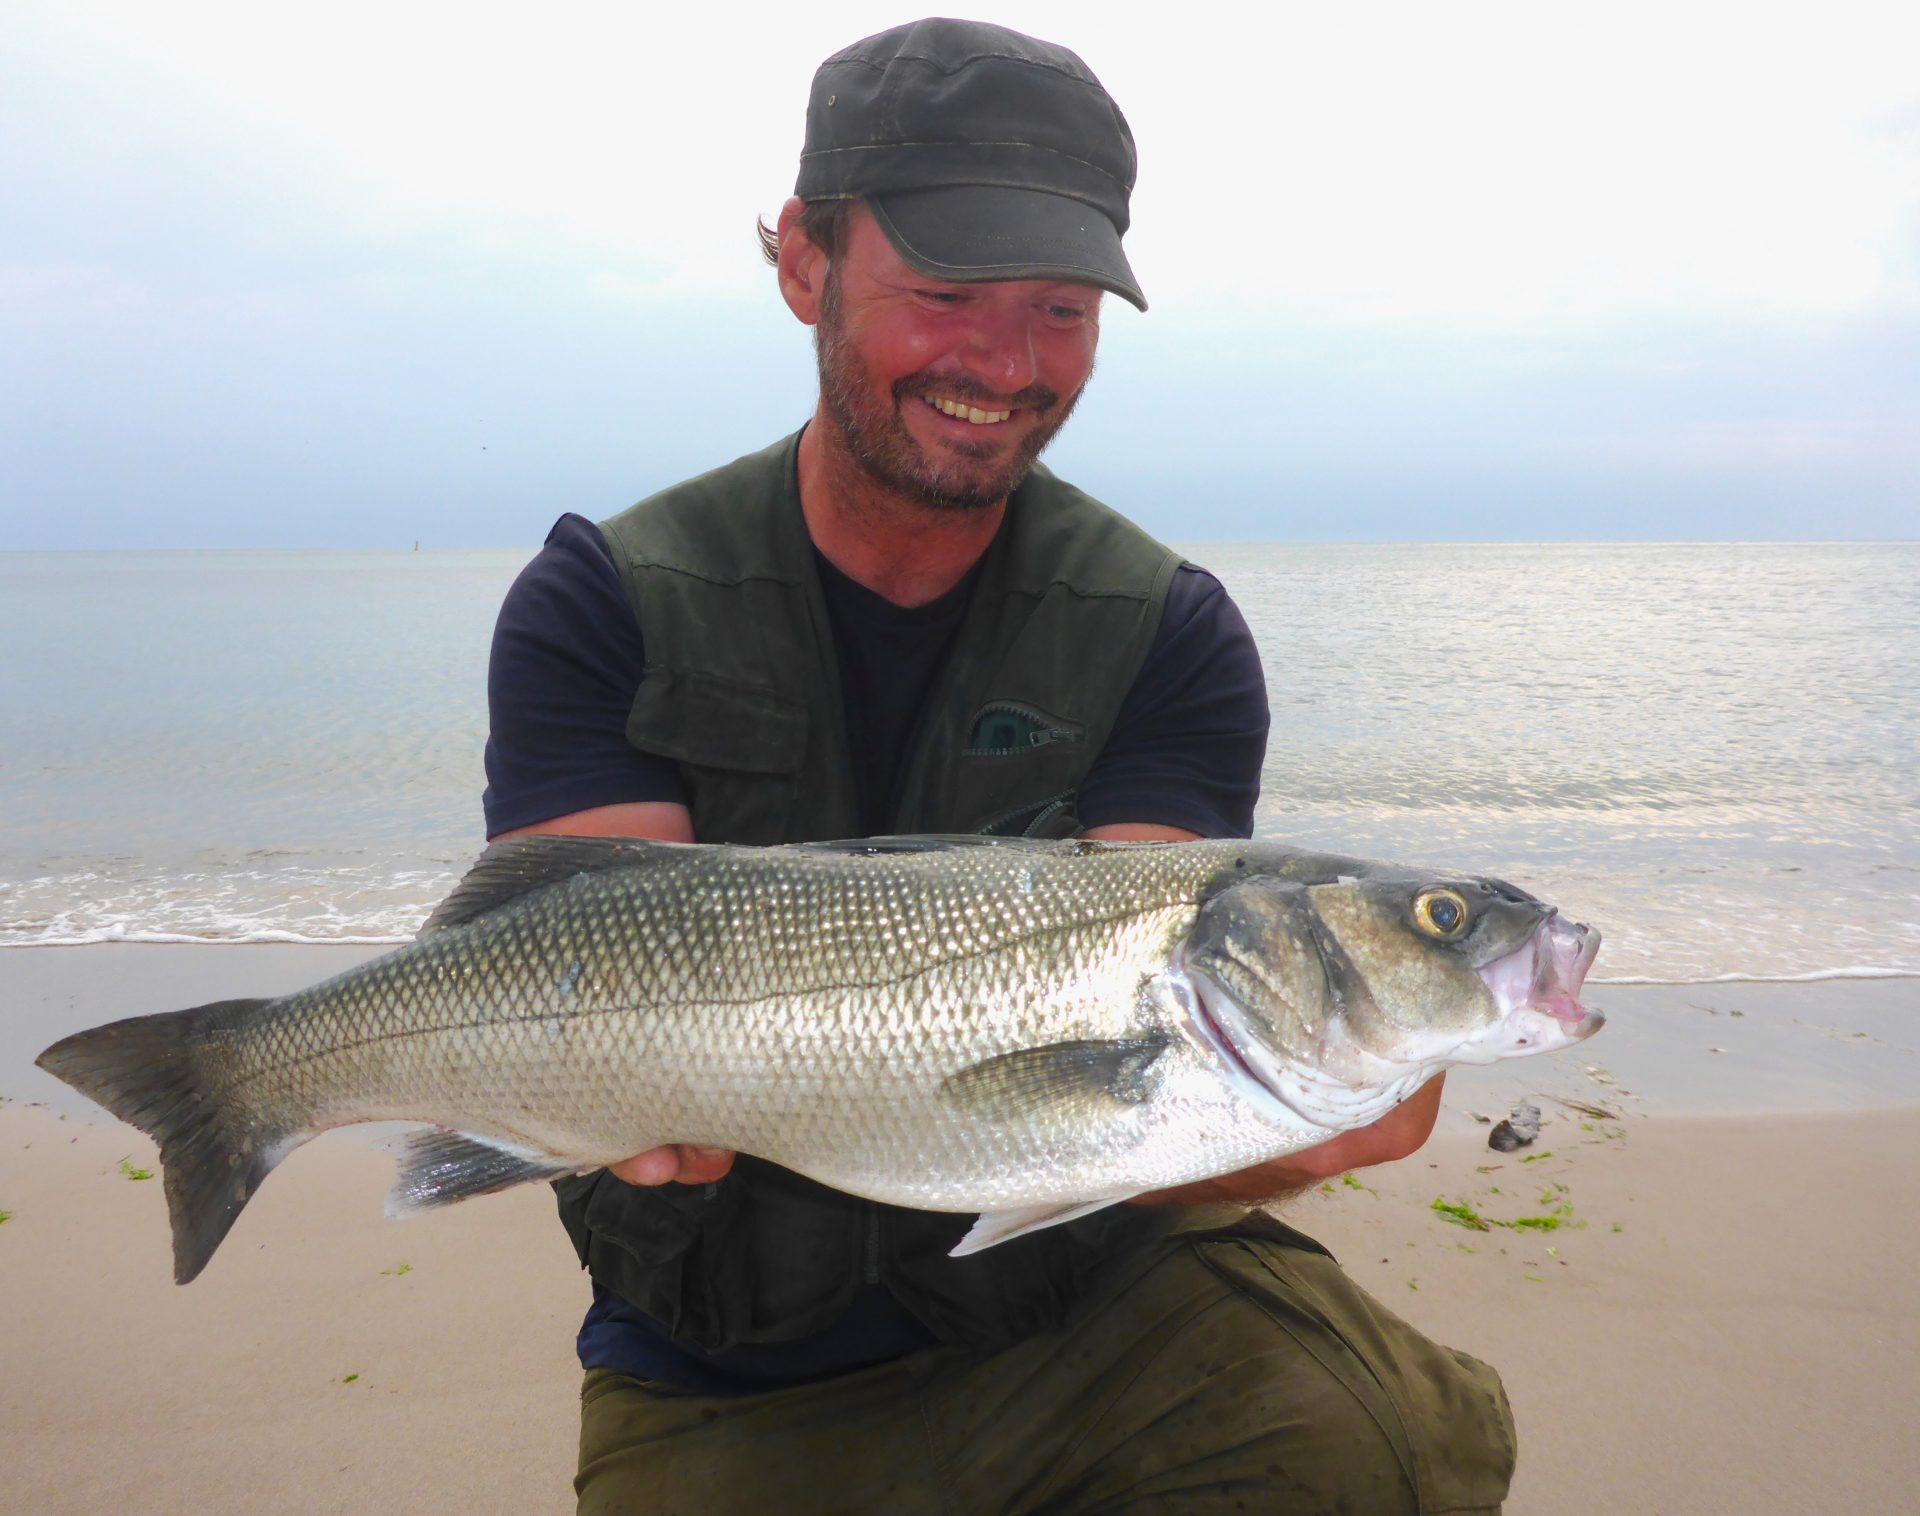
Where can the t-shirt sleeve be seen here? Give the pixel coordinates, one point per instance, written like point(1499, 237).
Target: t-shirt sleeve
point(1191, 736)
point(567, 658)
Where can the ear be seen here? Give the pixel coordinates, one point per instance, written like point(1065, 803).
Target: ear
point(801, 267)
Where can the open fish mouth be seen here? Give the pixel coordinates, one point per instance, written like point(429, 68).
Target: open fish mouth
point(1543, 977)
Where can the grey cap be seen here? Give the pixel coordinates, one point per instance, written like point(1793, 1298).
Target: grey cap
point(984, 154)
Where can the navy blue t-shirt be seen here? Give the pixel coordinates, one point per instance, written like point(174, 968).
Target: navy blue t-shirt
point(1185, 751)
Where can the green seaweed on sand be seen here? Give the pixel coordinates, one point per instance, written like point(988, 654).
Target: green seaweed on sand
point(1536, 1157)
point(398, 1269)
point(127, 1168)
point(1461, 1214)
point(349, 1379)
point(6, 1215)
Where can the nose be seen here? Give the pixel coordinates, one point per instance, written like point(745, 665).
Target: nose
point(999, 350)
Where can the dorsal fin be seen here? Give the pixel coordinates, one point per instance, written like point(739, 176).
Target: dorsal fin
point(929, 842)
point(949, 842)
point(509, 869)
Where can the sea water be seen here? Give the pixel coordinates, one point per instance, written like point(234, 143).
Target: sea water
point(1709, 751)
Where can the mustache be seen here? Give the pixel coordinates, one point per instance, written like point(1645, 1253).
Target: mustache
point(1038, 398)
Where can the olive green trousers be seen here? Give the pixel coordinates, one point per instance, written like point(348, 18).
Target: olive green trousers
point(1225, 1374)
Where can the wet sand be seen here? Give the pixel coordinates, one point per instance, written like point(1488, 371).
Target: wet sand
point(1721, 1321)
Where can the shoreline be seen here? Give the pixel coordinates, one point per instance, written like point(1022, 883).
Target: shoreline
point(371, 943)
point(1745, 1046)
point(1650, 981)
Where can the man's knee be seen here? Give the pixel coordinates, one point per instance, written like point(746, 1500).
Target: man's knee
point(1390, 1399)
point(850, 1444)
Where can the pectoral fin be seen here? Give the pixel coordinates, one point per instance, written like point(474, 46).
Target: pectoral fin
point(1057, 1080)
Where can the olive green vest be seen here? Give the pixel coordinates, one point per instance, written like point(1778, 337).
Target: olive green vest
point(741, 691)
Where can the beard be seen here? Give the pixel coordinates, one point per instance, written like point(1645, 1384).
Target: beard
point(963, 476)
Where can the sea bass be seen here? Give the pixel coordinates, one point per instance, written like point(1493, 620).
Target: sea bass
point(1029, 1030)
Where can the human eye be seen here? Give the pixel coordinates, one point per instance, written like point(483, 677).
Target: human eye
point(1069, 306)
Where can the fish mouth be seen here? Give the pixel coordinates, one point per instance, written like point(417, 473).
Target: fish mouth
point(1538, 984)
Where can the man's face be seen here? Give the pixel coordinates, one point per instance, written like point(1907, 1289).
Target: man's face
point(946, 393)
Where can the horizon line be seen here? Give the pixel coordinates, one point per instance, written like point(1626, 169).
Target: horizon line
point(422, 547)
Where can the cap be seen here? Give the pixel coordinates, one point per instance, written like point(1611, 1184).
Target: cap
point(984, 154)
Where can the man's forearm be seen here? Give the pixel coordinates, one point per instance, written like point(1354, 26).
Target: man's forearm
point(1395, 1135)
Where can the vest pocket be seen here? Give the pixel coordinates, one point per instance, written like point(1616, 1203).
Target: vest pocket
point(762, 1255)
point(739, 749)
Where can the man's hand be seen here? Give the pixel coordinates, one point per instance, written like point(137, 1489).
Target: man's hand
point(1400, 1132)
point(681, 1162)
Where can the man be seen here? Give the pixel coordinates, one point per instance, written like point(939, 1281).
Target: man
point(897, 622)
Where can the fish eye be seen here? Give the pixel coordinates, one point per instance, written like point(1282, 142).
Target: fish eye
point(1441, 913)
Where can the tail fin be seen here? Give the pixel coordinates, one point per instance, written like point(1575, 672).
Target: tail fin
point(152, 1072)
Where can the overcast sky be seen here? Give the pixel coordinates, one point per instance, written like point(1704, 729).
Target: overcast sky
point(356, 275)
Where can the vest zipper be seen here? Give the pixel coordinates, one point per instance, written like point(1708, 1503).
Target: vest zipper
point(873, 1244)
point(1040, 735)
point(1047, 812)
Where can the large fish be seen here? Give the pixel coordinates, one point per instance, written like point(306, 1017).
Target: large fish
point(1029, 1030)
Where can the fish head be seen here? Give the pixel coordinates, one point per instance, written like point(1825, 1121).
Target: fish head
point(1363, 975)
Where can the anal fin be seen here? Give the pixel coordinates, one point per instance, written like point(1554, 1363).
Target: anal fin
point(996, 1227)
point(438, 1167)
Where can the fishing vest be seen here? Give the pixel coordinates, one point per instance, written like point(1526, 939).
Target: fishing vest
point(741, 691)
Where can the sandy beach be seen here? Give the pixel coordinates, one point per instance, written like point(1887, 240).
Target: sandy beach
point(1722, 1318)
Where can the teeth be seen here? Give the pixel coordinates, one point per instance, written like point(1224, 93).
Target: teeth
point(965, 412)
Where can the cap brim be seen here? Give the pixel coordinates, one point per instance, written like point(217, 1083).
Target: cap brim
point(972, 233)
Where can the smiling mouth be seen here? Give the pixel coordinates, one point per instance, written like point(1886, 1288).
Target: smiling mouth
point(970, 413)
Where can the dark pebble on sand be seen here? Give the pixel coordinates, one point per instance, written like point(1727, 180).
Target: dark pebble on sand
point(1516, 1130)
